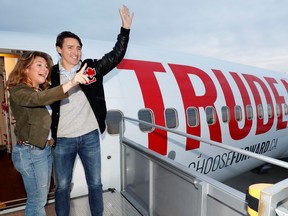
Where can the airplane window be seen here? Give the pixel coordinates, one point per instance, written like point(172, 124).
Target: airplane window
point(145, 115)
point(238, 113)
point(278, 109)
point(285, 109)
point(249, 112)
point(113, 120)
point(210, 115)
point(192, 116)
point(270, 113)
point(225, 114)
point(260, 111)
point(171, 118)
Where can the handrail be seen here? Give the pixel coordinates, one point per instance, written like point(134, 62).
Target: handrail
point(214, 143)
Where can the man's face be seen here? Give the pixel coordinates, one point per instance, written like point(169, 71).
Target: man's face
point(71, 52)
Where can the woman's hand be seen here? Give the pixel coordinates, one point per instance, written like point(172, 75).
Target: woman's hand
point(81, 77)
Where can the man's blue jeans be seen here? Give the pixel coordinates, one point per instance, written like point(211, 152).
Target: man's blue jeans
point(87, 147)
point(35, 166)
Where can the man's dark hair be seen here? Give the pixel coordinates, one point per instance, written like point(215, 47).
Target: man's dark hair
point(66, 34)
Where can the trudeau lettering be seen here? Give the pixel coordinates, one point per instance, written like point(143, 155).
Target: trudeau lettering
point(253, 90)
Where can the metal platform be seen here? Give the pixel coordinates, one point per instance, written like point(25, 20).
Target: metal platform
point(157, 186)
point(114, 205)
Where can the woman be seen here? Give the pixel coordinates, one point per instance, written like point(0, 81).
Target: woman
point(30, 97)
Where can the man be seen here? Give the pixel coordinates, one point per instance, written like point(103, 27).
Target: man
point(76, 121)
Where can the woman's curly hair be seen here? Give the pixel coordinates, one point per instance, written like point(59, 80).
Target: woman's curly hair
point(19, 75)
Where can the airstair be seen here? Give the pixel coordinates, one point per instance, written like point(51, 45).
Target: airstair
point(154, 185)
point(157, 186)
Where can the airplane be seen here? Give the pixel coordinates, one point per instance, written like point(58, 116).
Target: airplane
point(230, 103)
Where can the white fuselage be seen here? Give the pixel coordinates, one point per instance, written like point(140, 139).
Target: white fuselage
point(160, 80)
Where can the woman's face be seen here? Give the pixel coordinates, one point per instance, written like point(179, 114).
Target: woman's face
point(38, 71)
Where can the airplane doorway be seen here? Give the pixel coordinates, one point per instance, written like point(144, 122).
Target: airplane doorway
point(12, 191)
point(11, 184)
